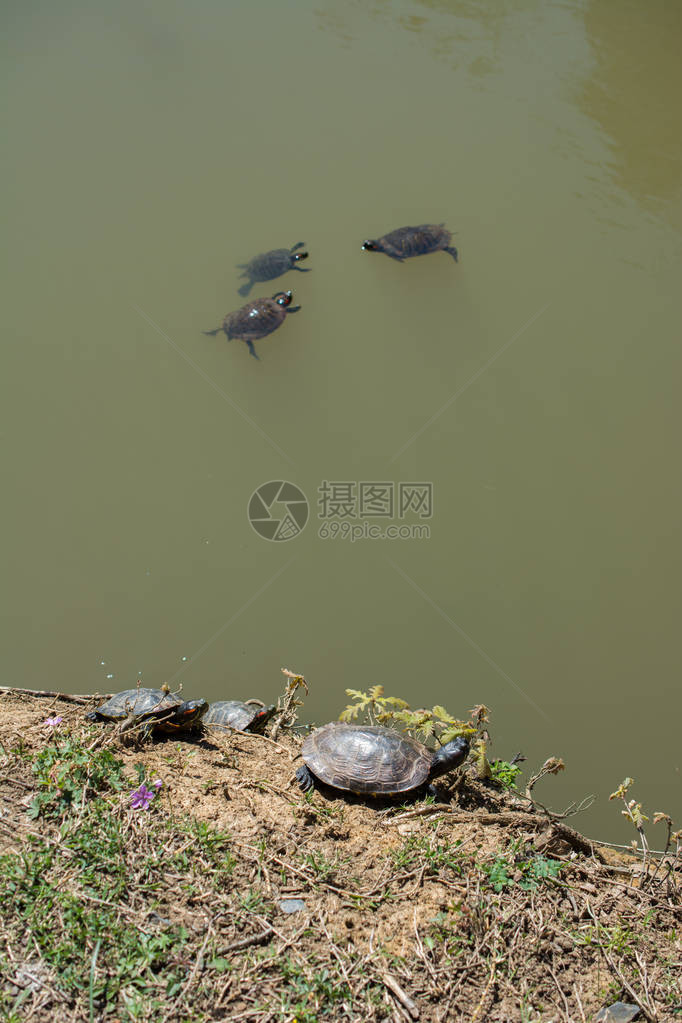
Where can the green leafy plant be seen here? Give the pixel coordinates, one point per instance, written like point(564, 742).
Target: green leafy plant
point(504, 773)
point(533, 871)
point(538, 869)
point(70, 773)
point(377, 708)
point(498, 873)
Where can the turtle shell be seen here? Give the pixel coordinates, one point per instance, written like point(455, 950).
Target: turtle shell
point(228, 715)
point(365, 759)
point(255, 319)
point(405, 242)
point(269, 265)
point(143, 703)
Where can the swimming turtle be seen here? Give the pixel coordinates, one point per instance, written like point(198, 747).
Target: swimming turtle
point(155, 709)
point(373, 761)
point(405, 242)
point(256, 319)
point(231, 715)
point(269, 265)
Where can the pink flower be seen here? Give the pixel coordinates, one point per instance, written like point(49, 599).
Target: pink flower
point(54, 722)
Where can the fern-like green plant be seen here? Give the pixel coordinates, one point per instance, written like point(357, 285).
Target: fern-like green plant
point(373, 704)
point(375, 708)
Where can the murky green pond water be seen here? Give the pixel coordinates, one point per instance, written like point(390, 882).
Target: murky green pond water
point(534, 385)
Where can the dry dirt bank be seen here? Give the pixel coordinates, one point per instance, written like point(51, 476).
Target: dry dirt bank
point(477, 909)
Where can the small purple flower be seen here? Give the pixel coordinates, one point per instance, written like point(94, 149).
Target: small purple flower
point(54, 722)
point(142, 797)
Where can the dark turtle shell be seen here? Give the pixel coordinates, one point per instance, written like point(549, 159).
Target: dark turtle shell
point(366, 759)
point(140, 703)
point(256, 319)
point(405, 242)
point(228, 715)
point(147, 705)
point(269, 265)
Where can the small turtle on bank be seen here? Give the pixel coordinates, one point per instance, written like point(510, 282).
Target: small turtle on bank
point(256, 319)
point(405, 242)
point(373, 761)
point(233, 715)
point(269, 265)
point(153, 709)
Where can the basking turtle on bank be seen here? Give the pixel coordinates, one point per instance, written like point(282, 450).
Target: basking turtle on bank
point(405, 242)
point(152, 709)
point(233, 715)
point(373, 761)
point(269, 265)
point(256, 319)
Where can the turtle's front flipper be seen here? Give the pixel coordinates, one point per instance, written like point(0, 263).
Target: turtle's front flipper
point(212, 333)
point(246, 288)
point(252, 350)
point(301, 269)
point(305, 778)
point(398, 259)
point(298, 245)
point(453, 252)
point(293, 308)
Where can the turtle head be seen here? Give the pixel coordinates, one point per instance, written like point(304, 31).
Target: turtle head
point(283, 298)
point(262, 717)
point(449, 756)
point(296, 256)
point(372, 245)
point(190, 713)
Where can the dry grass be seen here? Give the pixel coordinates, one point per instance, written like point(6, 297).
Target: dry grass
point(477, 909)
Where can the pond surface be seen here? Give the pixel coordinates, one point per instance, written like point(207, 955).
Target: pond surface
point(534, 385)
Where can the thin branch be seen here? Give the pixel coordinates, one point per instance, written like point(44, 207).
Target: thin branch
point(68, 697)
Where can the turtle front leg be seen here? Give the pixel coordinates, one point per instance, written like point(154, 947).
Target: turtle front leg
point(245, 288)
point(293, 309)
point(146, 730)
point(298, 245)
point(212, 333)
point(305, 778)
point(394, 255)
point(252, 350)
point(453, 252)
point(301, 269)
